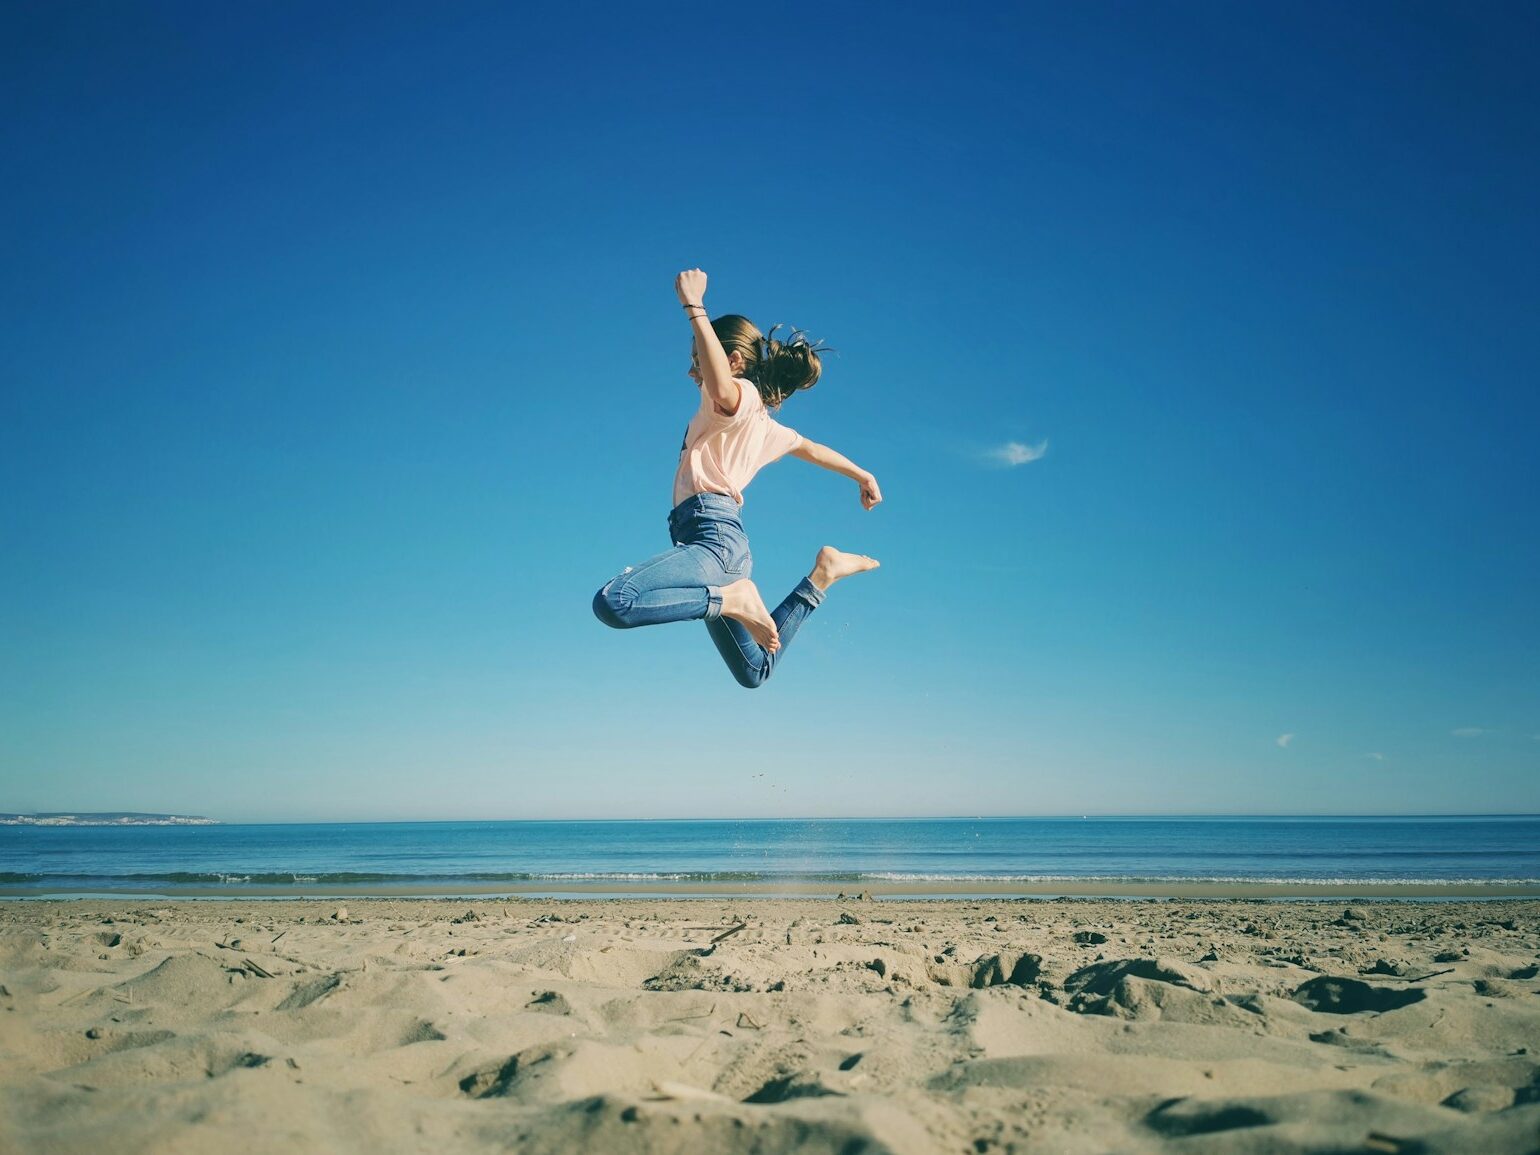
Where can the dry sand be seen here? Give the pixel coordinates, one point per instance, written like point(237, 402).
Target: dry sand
point(409, 1025)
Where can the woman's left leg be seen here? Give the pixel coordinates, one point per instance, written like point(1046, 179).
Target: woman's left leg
point(705, 575)
point(749, 661)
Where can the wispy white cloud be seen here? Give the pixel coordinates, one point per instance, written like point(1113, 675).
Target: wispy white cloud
point(1469, 731)
point(1014, 453)
point(1377, 756)
point(1284, 740)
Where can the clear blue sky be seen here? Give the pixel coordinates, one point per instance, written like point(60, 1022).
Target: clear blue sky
point(341, 364)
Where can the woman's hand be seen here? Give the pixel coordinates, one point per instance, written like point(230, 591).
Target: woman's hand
point(870, 494)
point(691, 287)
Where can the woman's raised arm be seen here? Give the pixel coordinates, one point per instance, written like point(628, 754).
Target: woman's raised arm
point(716, 374)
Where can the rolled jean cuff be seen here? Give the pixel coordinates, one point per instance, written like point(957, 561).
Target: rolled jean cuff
point(809, 593)
point(713, 603)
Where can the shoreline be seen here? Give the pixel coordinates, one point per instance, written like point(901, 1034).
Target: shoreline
point(959, 890)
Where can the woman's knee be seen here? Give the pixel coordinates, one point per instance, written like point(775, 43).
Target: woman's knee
point(751, 677)
point(610, 607)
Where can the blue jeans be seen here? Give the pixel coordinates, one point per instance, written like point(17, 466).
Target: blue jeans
point(685, 585)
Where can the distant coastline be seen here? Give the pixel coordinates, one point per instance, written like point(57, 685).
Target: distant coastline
point(107, 818)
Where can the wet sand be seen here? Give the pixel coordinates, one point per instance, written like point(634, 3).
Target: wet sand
point(962, 888)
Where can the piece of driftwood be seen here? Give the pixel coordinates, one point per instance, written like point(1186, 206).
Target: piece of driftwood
point(1402, 978)
point(729, 932)
point(706, 1014)
point(667, 1089)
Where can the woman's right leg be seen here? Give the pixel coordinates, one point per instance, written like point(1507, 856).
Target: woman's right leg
point(680, 585)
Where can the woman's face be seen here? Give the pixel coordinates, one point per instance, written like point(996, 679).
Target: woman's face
point(734, 365)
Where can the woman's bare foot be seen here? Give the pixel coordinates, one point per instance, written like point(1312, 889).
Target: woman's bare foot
point(833, 564)
point(742, 603)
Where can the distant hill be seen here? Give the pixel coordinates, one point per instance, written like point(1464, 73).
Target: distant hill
point(105, 818)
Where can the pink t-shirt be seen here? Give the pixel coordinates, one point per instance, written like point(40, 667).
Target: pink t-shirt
point(722, 453)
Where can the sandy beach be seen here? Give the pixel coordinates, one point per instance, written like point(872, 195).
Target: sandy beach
point(763, 1025)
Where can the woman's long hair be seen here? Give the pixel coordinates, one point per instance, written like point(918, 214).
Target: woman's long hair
point(777, 368)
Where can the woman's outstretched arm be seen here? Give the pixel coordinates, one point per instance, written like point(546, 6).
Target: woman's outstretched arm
point(823, 456)
point(716, 374)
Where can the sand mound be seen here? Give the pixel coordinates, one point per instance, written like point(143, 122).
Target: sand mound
point(185, 985)
point(1014, 968)
point(607, 965)
point(1331, 1121)
point(616, 1123)
point(23, 948)
point(686, 972)
point(567, 1069)
point(305, 994)
point(1470, 1086)
point(1144, 988)
point(1100, 979)
point(138, 1059)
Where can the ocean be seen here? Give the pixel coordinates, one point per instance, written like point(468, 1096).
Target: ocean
point(1170, 856)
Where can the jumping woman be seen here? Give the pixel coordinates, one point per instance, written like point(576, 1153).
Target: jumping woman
point(742, 376)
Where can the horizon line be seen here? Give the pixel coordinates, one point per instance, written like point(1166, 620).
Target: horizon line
point(1067, 815)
